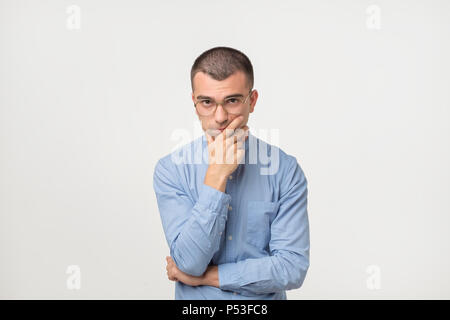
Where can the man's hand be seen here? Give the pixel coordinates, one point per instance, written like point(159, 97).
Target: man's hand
point(209, 278)
point(225, 153)
point(175, 274)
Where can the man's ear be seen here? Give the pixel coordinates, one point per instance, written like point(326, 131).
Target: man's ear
point(253, 99)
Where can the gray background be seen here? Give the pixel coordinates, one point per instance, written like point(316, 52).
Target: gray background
point(86, 113)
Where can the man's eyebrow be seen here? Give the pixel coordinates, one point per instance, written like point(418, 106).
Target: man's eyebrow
point(235, 95)
point(203, 97)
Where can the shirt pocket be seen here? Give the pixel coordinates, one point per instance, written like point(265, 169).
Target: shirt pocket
point(259, 218)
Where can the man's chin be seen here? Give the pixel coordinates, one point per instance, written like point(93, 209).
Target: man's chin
point(213, 132)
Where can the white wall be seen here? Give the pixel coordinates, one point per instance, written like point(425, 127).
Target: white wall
point(86, 113)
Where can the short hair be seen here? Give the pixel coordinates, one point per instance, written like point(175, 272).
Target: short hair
point(220, 63)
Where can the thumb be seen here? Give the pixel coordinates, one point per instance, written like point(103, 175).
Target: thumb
point(209, 138)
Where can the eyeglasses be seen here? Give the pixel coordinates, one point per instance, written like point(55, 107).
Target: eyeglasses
point(232, 105)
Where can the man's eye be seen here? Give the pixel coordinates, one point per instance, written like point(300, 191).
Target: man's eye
point(206, 103)
point(232, 101)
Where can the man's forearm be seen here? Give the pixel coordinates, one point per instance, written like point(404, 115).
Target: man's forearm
point(211, 276)
point(285, 270)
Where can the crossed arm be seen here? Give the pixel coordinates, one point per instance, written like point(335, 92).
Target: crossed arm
point(209, 278)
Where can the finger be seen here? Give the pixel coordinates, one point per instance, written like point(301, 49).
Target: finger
point(226, 142)
point(237, 137)
point(235, 148)
point(209, 138)
point(170, 275)
point(211, 146)
point(229, 144)
point(230, 129)
point(240, 154)
point(170, 261)
point(233, 143)
point(240, 144)
point(230, 149)
point(235, 123)
point(240, 133)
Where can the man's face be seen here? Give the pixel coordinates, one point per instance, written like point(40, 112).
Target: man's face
point(205, 86)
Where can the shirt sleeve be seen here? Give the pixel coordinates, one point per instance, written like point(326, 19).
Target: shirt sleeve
point(287, 265)
point(192, 228)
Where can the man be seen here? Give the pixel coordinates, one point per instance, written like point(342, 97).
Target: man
point(234, 229)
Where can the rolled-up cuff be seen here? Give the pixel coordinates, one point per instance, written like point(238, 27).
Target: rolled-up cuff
point(229, 277)
point(213, 199)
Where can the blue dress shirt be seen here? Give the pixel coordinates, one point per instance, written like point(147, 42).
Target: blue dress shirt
point(257, 231)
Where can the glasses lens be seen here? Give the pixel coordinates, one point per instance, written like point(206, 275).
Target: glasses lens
point(206, 107)
point(234, 105)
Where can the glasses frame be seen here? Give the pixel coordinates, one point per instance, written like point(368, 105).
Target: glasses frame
point(221, 103)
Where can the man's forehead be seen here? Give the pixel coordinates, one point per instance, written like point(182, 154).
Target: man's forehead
point(205, 84)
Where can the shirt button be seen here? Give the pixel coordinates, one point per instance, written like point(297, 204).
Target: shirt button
point(230, 177)
point(220, 233)
point(235, 293)
point(230, 237)
point(229, 208)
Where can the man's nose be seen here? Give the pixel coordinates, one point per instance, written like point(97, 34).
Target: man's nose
point(221, 115)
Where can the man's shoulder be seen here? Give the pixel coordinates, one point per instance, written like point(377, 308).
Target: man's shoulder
point(271, 155)
point(284, 168)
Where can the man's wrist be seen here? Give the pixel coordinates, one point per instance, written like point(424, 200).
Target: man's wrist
point(216, 180)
